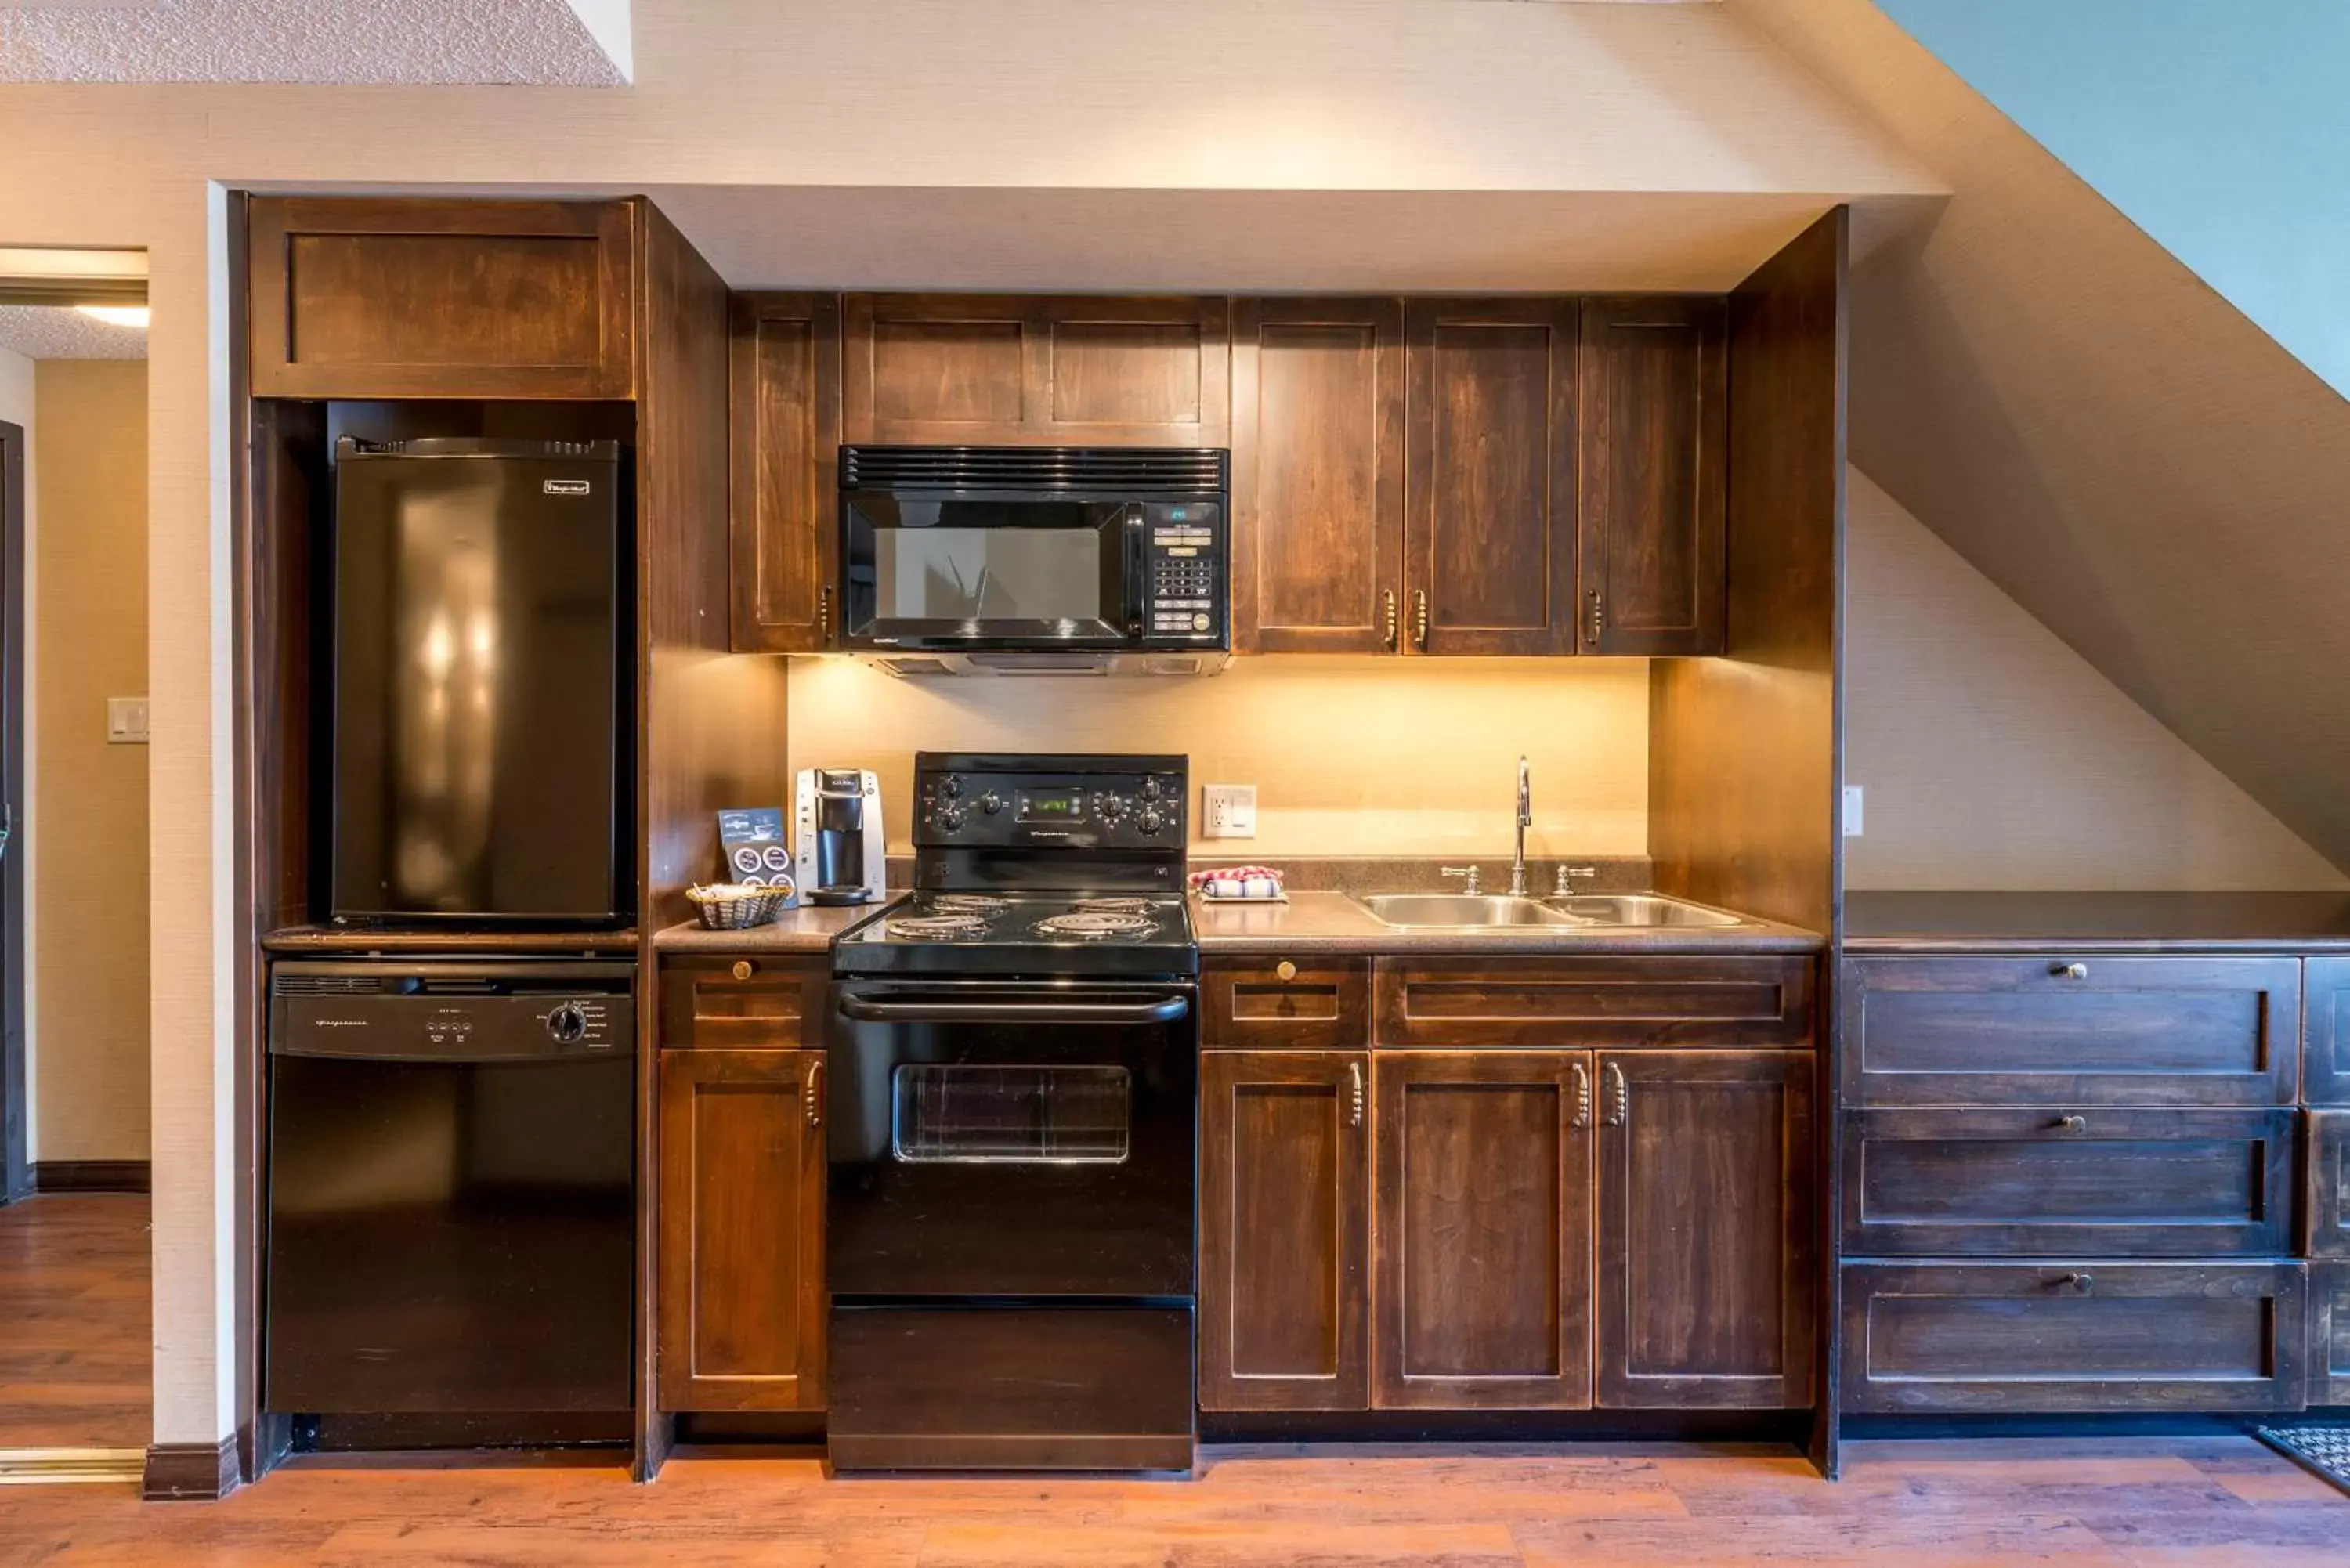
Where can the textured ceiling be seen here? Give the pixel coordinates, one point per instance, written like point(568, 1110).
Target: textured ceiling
point(521, 42)
point(57, 332)
point(2124, 452)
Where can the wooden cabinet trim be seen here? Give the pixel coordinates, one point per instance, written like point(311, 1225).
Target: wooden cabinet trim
point(2105, 1167)
point(778, 1006)
point(1325, 1005)
point(784, 534)
point(1576, 1003)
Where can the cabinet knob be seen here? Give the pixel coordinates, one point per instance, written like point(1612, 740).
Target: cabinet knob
point(2082, 1283)
point(1286, 970)
point(2073, 1124)
point(2069, 971)
point(743, 969)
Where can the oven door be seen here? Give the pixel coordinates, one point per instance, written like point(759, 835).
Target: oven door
point(1011, 1138)
point(978, 572)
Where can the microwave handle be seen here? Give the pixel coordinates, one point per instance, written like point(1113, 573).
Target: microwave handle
point(989, 1010)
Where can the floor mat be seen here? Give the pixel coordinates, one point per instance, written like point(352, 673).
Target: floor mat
point(2323, 1448)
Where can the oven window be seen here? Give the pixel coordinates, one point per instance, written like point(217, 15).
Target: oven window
point(989, 573)
point(952, 1113)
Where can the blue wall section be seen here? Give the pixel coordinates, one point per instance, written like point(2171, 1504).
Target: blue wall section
point(2220, 127)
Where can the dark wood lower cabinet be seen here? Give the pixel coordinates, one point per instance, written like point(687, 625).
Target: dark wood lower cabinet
point(2329, 1184)
point(1483, 1228)
point(1284, 1229)
point(2065, 1337)
point(740, 1309)
point(2329, 1338)
point(1705, 1275)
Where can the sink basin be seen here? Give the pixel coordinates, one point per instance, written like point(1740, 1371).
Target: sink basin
point(1464, 912)
point(1639, 910)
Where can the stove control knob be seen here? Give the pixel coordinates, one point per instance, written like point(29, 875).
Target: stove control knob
point(950, 817)
point(1151, 789)
point(952, 788)
point(1150, 820)
point(991, 803)
point(1111, 806)
point(567, 1023)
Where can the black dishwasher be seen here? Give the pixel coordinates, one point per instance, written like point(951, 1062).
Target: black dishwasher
point(451, 1197)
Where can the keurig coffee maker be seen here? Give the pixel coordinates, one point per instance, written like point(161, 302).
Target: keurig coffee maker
point(842, 857)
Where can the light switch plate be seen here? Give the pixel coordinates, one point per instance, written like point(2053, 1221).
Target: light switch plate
point(1228, 810)
point(1852, 813)
point(126, 721)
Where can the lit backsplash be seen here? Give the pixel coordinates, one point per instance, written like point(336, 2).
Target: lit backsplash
point(1350, 756)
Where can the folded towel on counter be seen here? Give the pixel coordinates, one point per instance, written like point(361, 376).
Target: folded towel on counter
point(1237, 882)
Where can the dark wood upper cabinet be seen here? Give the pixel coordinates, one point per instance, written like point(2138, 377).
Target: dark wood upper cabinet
point(1482, 1230)
point(1652, 572)
point(1317, 476)
point(1490, 535)
point(740, 1302)
point(2327, 1076)
point(425, 298)
point(1035, 370)
point(785, 455)
point(1705, 1230)
point(1284, 1229)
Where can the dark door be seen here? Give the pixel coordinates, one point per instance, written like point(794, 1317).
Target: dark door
point(1483, 1229)
point(1317, 476)
point(1653, 473)
point(1490, 535)
point(1284, 1229)
point(1705, 1230)
point(16, 1173)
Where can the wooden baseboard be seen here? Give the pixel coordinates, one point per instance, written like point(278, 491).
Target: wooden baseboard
point(190, 1473)
point(90, 1175)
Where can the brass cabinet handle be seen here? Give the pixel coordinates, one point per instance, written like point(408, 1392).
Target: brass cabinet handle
point(1353, 1094)
point(743, 969)
point(1619, 1108)
point(1419, 619)
point(824, 613)
point(1582, 1096)
point(1598, 617)
point(2084, 1283)
point(1387, 603)
point(812, 1094)
point(1286, 970)
point(2069, 971)
point(2073, 1124)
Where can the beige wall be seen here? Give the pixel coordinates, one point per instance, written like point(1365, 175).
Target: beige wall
point(88, 816)
point(1350, 756)
point(1994, 756)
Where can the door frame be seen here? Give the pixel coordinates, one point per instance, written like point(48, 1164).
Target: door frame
point(15, 1168)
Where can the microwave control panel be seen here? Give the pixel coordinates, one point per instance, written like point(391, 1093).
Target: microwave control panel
point(1183, 558)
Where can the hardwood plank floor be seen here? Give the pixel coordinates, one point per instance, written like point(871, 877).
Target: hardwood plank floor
point(2125, 1503)
point(74, 1357)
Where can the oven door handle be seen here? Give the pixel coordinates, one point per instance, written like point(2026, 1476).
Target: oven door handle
point(1006, 1010)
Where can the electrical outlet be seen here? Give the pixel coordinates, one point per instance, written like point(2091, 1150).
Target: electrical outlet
point(1228, 810)
point(1852, 815)
point(126, 721)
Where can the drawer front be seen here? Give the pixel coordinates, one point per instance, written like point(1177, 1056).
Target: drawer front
point(2057, 1183)
point(2329, 1337)
point(2329, 1184)
point(2326, 1078)
point(2073, 1337)
point(1572, 1003)
point(2052, 1030)
point(744, 1003)
point(1285, 1005)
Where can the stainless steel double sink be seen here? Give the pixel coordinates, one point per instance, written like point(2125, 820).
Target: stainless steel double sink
point(1505, 911)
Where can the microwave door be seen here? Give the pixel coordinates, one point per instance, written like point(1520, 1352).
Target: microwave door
point(962, 574)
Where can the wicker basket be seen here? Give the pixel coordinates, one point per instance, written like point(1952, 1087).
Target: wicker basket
point(737, 906)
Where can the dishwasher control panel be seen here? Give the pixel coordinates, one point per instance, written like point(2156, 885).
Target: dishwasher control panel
point(393, 1011)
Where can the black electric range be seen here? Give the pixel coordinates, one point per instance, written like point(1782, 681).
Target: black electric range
point(1013, 1068)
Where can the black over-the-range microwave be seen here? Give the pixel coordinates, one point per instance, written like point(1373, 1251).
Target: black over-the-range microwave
point(1034, 549)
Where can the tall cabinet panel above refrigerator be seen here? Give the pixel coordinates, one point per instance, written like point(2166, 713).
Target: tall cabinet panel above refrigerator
point(480, 621)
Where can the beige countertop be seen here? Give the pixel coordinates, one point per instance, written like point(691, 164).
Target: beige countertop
point(1335, 923)
point(807, 930)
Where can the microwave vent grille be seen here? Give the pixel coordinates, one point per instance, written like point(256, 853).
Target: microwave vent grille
point(1131, 471)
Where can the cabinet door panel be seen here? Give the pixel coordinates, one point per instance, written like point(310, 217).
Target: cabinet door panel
point(1284, 1229)
point(1490, 544)
point(785, 525)
point(2328, 1072)
point(2329, 1333)
point(419, 297)
point(1482, 1231)
point(1705, 1284)
point(740, 1312)
point(2329, 1184)
point(1317, 476)
point(773, 1005)
point(1651, 563)
point(1321, 1005)
point(1562, 1001)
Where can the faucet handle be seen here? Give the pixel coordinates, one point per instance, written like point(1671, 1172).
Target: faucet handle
point(1468, 871)
point(1564, 887)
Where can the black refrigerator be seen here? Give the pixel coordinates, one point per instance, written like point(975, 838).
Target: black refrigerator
point(480, 700)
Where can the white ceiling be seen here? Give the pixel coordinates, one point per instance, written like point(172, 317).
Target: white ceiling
point(60, 332)
point(569, 42)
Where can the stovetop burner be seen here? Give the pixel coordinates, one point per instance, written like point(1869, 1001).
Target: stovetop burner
point(1095, 923)
point(966, 903)
point(946, 926)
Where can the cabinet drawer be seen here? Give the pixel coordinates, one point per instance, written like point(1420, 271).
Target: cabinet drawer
point(2050, 1030)
point(2054, 1183)
point(1576, 1002)
point(2329, 1337)
point(2329, 1184)
point(2328, 1072)
point(744, 1003)
point(1317, 1004)
point(2065, 1338)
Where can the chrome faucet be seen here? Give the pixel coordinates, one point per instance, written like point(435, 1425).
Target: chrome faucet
point(1525, 820)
